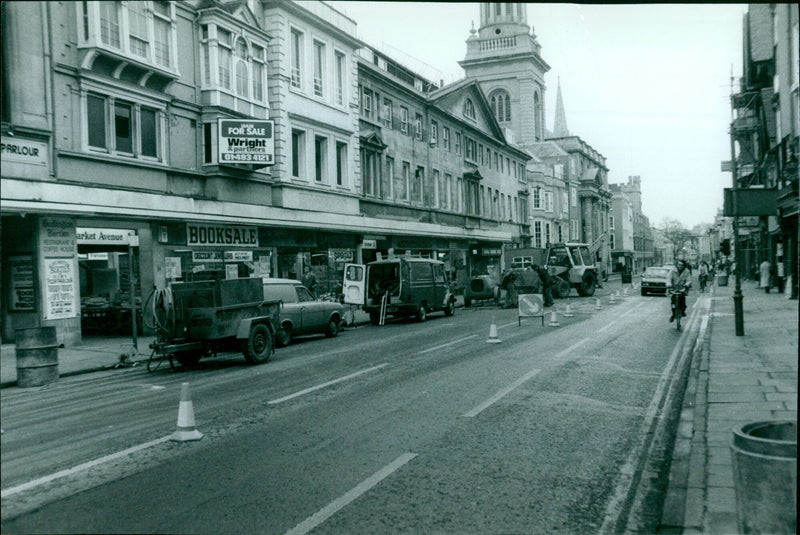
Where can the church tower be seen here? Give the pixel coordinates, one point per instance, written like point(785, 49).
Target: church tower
point(560, 123)
point(503, 56)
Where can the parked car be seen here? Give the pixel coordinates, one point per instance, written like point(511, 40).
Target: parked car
point(401, 287)
point(655, 279)
point(300, 312)
point(481, 288)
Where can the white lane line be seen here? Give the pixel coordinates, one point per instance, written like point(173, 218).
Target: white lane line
point(336, 505)
point(323, 385)
point(75, 469)
point(571, 348)
point(628, 469)
point(607, 326)
point(492, 400)
point(447, 344)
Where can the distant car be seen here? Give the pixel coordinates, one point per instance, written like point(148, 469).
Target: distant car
point(300, 312)
point(655, 279)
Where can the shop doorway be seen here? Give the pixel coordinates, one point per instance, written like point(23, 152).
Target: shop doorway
point(105, 290)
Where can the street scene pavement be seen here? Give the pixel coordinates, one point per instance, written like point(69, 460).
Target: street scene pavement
point(732, 380)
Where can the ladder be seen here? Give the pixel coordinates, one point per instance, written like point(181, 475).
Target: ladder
point(384, 302)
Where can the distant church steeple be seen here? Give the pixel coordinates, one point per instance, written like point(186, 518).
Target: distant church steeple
point(560, 123)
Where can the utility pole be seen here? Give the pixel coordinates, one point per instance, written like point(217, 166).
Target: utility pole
point(738, 311)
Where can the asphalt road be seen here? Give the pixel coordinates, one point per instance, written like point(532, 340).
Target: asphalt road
point(405, 428)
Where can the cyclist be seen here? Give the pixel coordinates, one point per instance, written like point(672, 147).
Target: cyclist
point(680, 279)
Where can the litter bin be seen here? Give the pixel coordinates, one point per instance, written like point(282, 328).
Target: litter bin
point(722, 280)
point(765, 476)
point(37, 356)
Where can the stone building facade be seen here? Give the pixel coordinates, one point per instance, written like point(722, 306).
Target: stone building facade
point(437, 156)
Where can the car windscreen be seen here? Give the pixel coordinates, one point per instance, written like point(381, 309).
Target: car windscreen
point(657, 272)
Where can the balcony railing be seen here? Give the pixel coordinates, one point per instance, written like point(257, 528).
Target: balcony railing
point(501, 43)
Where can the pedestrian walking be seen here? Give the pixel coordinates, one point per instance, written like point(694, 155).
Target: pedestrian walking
point(765, 271)
point(547, 285)
point(703, 275)
point(310, 280)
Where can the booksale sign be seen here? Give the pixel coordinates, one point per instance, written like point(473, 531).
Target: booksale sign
point(249, 142)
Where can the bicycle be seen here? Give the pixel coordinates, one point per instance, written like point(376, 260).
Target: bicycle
point(677, 312)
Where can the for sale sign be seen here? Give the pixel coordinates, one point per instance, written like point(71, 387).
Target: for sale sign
point(246, 142)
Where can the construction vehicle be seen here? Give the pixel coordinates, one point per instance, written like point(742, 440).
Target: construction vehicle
point(195, 319)
point(571, 265)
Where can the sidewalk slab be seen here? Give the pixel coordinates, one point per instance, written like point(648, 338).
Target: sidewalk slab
point(740, 379)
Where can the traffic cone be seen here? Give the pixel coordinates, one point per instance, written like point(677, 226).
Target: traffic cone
point(186, 429)
point(568, 312)
point(625, 291)
point(554, 319)
point(597, 305)
point(612, 299)
point(493, 339)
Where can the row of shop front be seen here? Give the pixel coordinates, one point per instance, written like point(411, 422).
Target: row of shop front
point(79, 273)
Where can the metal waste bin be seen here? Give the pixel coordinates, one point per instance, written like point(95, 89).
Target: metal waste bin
point(765, 476)
point(37, 356)
point(722, 280)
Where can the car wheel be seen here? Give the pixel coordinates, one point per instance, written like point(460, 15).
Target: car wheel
point(561, 289)
point(588, 284)
point(450, 309)
point(644, 293)
point(333, 328)
point(422, 313)
point(375, 318)
point(284, 335)
point(258, 346)
point(467, 302)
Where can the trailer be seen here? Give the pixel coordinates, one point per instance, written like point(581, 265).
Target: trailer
point(196, 319)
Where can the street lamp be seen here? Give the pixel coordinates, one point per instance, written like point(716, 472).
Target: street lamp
point(738, 312)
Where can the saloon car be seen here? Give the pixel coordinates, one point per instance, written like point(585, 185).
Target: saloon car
point(301, 313)
point(655, 280)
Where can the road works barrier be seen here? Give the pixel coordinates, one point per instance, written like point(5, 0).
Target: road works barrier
point(186, 429)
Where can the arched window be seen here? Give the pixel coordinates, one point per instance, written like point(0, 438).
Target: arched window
point(469, 108)
point(501, 105)
point(242, 77)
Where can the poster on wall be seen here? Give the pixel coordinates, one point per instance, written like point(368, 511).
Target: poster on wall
point(172, 267)
point(231, 271)
point(61, 297)
point(22, 294)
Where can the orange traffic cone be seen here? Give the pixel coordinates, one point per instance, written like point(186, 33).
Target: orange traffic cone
point(625, 291)
point(598, 306)
point(186, 427)
point(568, 312)
point(612, 299)
point(493, 339)
point(554, 319)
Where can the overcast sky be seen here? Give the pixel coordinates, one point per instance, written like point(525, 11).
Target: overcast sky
point(645, 85)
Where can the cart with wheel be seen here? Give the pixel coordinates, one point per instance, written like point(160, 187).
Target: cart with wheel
point(194, 320)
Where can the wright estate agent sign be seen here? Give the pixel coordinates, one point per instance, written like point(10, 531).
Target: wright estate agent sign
point(249, 142)
point(210, 234)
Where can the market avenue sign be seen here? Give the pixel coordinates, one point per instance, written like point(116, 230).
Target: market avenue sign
point(205, 234)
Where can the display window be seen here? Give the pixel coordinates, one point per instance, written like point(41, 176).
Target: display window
point(189, 265)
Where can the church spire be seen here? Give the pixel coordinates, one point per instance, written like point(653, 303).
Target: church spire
point(560, 124)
